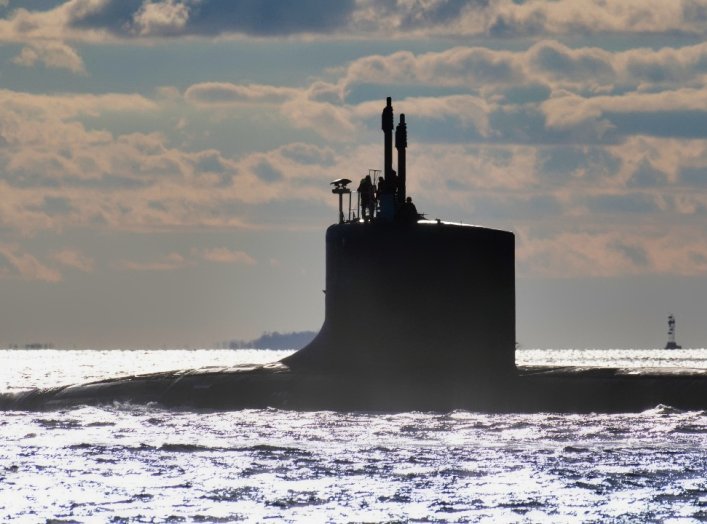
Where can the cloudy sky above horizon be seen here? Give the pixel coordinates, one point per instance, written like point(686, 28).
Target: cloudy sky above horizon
point(164, 164)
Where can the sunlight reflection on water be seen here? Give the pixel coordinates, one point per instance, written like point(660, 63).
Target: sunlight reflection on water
point(132, 463)
point(22, 369)
point(625, 358)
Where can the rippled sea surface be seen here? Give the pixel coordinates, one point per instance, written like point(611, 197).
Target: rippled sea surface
point(130, 463)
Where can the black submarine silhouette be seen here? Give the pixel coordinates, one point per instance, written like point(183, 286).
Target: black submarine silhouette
point(419, 315)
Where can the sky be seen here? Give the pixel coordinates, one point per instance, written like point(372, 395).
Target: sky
point(165, 164)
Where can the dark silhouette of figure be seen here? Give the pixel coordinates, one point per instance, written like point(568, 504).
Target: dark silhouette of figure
point(366, 192)
point(386, 197)
point(381, 187)
point(407, 213)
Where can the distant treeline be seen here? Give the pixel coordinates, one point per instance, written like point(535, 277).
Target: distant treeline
point(275, 340)
point(33, 345)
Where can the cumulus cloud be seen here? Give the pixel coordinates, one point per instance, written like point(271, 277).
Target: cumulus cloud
point(587, 16)
point(550, 63)
point(563, 116)
point(459, 67)
point(92, 20)
point(168, 17)
point(125, 18)
point(39, 107)
point(56, 55)
point(549, 93)
point(331, 121)
point(59, 173)
point(581, 137)
point(508, 18)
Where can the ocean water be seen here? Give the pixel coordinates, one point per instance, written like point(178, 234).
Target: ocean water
point(142, 463)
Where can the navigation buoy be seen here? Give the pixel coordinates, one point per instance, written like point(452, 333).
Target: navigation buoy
point(671, 334)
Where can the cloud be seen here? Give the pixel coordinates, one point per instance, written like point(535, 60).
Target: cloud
point(635, 253)
point(269, 17)
point(667, 156)
point(14, 262)
point(336, 122)
point(21, 111)
point(58, 172)
point(74, 259)
point(563, 163)
point(220, 93)
point(588, 17)
point(554, 63)
point(126, 18)
point(670, 113)
point(470, 112)
point(549, 93)
point(224, 255)
point(102, 20)
point(333, 122)
point(611, 253)
point(459, 66)
point(564, 141)
point(513, 19)
point(163, 18)
point(309, 154)
point(56, 55)
point(168, 262)
point(549, 63)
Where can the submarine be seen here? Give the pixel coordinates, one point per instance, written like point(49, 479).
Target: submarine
point(419, 315)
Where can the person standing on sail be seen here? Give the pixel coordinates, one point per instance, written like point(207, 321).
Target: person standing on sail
point(365, 191)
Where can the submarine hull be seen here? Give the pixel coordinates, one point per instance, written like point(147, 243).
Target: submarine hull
point(536, 389)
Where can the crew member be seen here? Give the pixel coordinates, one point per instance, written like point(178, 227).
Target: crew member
point(407, 213)
point(365, 191)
